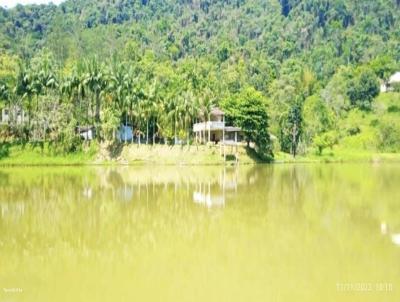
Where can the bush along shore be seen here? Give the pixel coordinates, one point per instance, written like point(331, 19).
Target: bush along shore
point(133, 154)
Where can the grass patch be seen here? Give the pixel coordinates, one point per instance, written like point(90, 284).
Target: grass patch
point(37, 155)
point(34, 154)
point(339, 154)
point(184, 155)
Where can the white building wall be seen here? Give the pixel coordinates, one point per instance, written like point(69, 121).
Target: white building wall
point(20, 117)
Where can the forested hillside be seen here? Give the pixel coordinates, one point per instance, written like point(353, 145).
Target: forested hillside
point(314, 66)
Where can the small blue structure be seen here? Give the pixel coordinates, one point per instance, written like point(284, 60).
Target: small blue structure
point(125, 133)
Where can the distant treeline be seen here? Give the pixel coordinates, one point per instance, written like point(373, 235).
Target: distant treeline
point(295, 69)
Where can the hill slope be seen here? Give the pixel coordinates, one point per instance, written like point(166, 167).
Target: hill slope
point(316, 63)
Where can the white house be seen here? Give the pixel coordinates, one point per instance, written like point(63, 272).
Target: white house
point(87, 132)
point(215, 130)
point(14, 114)
point(393, 80)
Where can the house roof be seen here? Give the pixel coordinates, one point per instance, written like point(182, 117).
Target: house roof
point(216, 111)
point(85, 128)
point(395, 78)
point(232, 129)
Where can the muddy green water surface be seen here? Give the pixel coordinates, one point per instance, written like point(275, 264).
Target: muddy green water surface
point(253, 233)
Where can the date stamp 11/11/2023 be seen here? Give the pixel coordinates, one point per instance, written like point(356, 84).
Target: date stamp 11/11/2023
point(364, 287)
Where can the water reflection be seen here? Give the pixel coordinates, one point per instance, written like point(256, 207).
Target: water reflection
point(386, 231)
point(13, 210)
point(264, 227)
point(396, 239)
point(87, 192)
point(208, 199)
point(300, 188)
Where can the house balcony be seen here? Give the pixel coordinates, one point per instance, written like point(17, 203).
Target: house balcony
point(211, 125)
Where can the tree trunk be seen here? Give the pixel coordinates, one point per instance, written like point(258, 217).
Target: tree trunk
point(126, 122)
point(97, 114)
point(44, 122)
point(97, 117)
point(132, 128)
point(188, 134)
point(139, 134)
point(147, 132)
point(87, 121)
point(154, 132)
point(37, 118)
point(205, 131)
point(209, 131)
point(29, 117)
point(175, 138)
point(294, 140)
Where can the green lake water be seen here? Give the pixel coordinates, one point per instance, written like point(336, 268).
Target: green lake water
point(323, 232)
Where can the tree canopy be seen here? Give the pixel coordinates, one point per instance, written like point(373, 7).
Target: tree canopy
point(292, 69)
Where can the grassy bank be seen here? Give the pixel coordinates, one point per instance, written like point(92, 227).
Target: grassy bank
point(176, 155)
point(339, 154)
point(36, 155)
point(25, 155)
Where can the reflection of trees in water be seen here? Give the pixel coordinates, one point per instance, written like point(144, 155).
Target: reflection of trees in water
point(216, 185)
point(4, 179)
point(303, 189)
point(99, 203)
point(114, 178)
point(347, 191)
point(13, 211)
point(204, 185)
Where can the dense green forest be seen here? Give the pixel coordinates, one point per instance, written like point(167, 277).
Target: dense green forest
point(305, 71)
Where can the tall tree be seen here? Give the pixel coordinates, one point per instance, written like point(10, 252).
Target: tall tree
point(248, 110)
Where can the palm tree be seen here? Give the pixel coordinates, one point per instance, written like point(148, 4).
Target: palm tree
point(190, 111)
point(137, 106)
point(159, 114)
point(46, 81)
point(207, 102)
point(118, 87)
point(78, 84)
point(96, 82)
point(133, 94)
point(25, 88)
point(4, 94)
point(151, 106)
point(173, 113)
point(74, 88)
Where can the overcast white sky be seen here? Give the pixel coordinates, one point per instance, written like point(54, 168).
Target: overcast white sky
point(12, 3)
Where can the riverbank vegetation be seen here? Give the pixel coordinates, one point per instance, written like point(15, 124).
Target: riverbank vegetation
point(132, 154)
point(29, 154)
point(299, 77)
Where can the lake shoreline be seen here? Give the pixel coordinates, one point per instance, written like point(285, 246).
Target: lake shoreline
point(161, 155)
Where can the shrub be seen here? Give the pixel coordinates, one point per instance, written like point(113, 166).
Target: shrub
point(325, 140)
point(110, 123)
point(363, 88)
point(374, 123)
point(389, 134)
point(354, 130)
point(396, 87)
point(393, 109)
point(365, 140)
point(4, 132)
